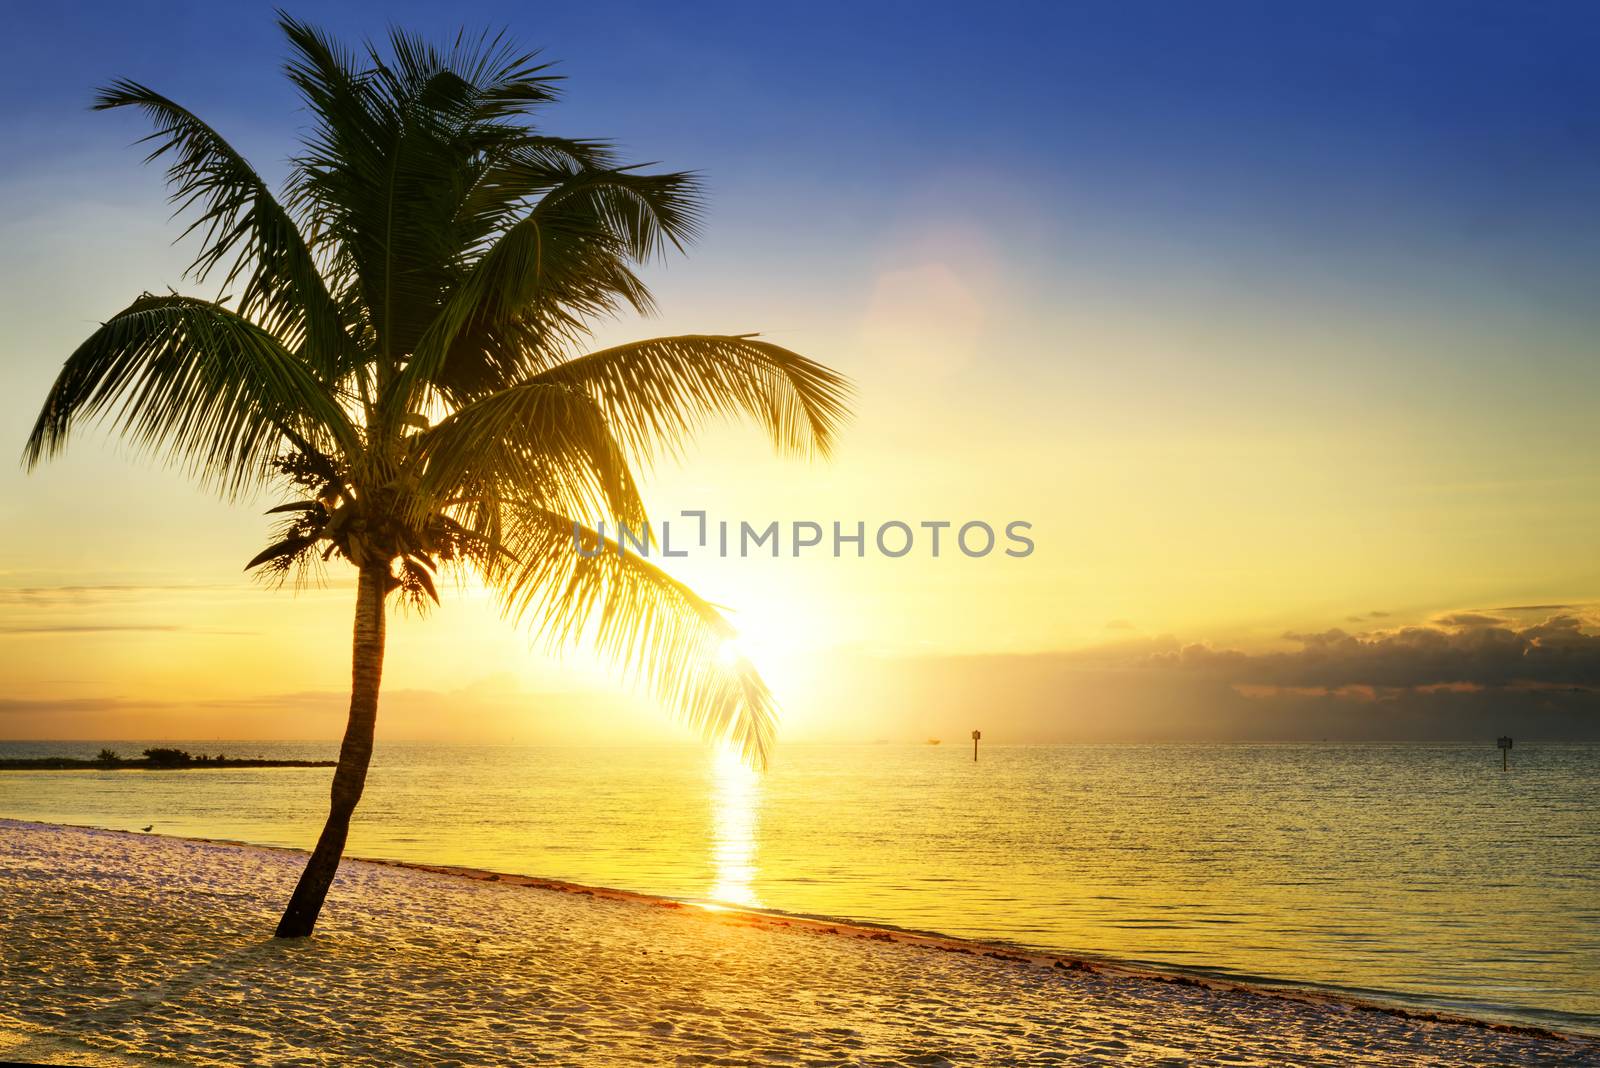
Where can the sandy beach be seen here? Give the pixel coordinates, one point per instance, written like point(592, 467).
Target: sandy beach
point(123, 948)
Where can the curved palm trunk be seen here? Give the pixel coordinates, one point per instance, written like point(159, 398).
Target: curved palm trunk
point(354, 755)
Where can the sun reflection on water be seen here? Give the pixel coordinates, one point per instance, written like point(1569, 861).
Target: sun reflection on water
point(735, 811)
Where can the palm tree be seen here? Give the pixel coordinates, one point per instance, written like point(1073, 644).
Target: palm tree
point(403, 355)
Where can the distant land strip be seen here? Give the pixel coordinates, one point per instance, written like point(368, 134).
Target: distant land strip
point(152, 760)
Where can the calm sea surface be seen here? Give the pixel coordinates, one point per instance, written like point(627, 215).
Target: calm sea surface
point(1418, 874)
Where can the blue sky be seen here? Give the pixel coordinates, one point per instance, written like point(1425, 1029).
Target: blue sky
point(1462, 112)
point(1256, 128)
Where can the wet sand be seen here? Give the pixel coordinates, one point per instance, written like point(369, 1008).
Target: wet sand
point(122, 948)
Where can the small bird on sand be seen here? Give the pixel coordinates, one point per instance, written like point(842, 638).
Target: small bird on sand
point(148, 829)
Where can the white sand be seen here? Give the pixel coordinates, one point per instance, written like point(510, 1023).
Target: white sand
point(121, 948)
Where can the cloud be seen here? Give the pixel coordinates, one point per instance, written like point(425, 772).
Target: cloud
point(23, 629)
point(86, 628)
point(79, 593)
point(1468, 619)
point(1539, 608)
point(76, 608)
point(1430, 682)
point(1371, 616)
point(1421, 684)
point(1460, 649)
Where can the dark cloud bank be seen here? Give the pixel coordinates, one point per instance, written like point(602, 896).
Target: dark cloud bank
point(1464, 676)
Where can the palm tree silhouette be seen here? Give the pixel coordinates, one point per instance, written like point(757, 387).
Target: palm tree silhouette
point(403, 354)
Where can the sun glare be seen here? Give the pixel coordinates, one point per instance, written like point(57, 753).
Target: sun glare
point(776, 636)
point(735, 811)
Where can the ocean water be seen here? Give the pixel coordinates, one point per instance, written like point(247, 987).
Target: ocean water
point(1420, 875)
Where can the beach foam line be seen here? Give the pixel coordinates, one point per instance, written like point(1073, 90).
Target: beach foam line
point(777, 919)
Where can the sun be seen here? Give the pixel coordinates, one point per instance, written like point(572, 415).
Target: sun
point(730, 653)
point(775, 639)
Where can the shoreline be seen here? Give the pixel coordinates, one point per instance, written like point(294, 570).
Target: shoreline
point(776, 919)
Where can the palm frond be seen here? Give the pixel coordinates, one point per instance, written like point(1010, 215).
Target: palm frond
point(562, 264)
point(518, 172)
point(346, 180)
point(543, 440)
point(658, 392)
point(222, 394)
point(282, 555)
point(653, 627)
point(650, 214)
point(496, 80)
point(397, 148)
point(241, 224)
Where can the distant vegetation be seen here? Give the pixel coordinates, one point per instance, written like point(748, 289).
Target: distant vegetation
point(171, 758)
point(156, 757)
point(162, 758)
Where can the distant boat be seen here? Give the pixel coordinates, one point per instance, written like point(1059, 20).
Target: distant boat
point(933, 741)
